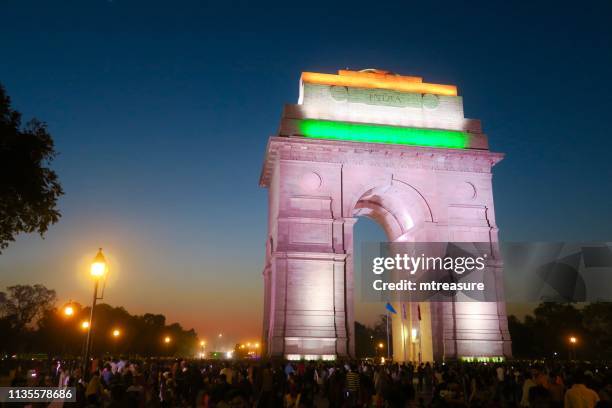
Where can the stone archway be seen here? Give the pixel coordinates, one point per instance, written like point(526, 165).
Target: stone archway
point(404, 215)
point(321, 176)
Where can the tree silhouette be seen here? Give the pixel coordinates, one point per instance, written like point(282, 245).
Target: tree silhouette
point(29, 190)
point(25, 303)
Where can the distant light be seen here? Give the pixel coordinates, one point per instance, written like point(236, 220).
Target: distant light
point(380, 345)
point(167, 339)
point(220, 335)
point(68, 310)
point(116, 333)
point(414, 335)
point(229, 354)
point(202, 343)
point(256, 345)
point(573, 340)
point(85, 324)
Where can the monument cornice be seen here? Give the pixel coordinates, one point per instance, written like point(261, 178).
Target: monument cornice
point(375, 154)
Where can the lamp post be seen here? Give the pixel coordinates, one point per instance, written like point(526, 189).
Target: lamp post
point(379, 349)
point(68, 313)
point(116, 333)
point(98, 272)
point(167, 340)
point(573, 340)
point(202, 345)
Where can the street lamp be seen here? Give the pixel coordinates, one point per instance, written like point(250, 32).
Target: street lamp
point(85, 325)
point(167, 339)
point(116, 333)
point(378, 348)
point(573, 340)
point(202, 345)
point(68, 310)
point(98, 271)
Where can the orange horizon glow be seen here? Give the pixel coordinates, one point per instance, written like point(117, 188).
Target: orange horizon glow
point(379, 81)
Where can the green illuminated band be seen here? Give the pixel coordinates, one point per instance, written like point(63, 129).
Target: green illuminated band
point(355, 132)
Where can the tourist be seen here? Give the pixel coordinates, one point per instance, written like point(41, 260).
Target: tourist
point(579, 395)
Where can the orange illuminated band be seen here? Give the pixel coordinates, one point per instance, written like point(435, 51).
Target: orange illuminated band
point(380, 75)
point(379, 81)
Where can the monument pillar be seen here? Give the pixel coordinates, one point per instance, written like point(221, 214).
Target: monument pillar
point(397, 150)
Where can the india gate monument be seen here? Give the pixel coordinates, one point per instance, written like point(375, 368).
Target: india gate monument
point(400, 151)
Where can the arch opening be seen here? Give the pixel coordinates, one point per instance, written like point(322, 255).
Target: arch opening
point(402, 214)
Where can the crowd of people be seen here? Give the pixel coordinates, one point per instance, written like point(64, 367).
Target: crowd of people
point(122, 382)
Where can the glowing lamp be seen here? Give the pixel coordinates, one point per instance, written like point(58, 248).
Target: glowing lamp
point(69, 311)
point(573, 340)
point(116, 333)
point(380, 345)
point(357, 132)
point(98, 266)
point(85, 325)
point(167, 339)
point(202, 343)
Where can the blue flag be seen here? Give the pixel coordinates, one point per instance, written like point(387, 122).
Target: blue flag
point(390, 308)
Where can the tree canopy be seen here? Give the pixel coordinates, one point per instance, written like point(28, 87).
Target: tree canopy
point(29, 189)
point(31, 322)
point(546, 333)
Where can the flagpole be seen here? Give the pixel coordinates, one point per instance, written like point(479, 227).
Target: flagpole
point(388, 345)
point(420, 334)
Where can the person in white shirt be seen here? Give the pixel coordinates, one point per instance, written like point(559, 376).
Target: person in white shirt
point(527, 385)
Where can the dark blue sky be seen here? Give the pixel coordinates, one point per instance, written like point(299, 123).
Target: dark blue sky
point(161, 112)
